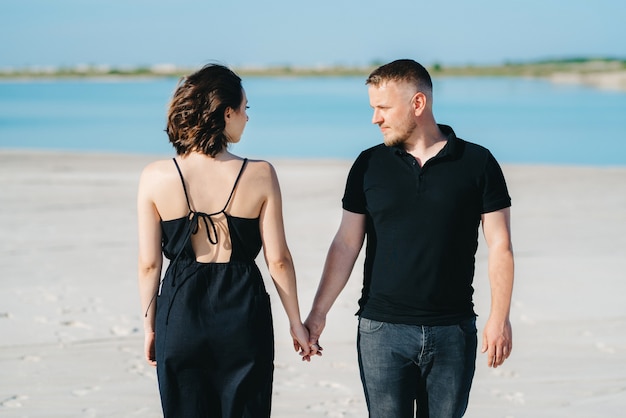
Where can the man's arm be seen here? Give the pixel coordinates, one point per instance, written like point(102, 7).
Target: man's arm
point(497, 335)
point(342, 254)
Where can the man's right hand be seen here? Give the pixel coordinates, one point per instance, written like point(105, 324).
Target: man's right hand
point(315, 323)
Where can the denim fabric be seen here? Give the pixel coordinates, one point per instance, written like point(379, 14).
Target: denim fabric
point(409, 367)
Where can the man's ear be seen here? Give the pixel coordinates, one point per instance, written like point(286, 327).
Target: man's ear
point(419, 102)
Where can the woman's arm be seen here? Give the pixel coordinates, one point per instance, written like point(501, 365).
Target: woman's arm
point(279, 261)
point(150, 256)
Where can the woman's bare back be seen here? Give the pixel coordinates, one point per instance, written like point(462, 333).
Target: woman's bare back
point(209, 183)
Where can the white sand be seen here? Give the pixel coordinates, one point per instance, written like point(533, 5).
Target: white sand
point(70, 323)
point(607, 80)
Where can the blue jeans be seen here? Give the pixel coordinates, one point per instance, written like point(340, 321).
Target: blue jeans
point(407, 366)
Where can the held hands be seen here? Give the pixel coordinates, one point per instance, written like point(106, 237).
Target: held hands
point(315, 324)
point(301, 344)
point(497, 341)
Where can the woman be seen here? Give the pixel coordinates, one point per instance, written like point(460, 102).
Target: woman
point(208, 325)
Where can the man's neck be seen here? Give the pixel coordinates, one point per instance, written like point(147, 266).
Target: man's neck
point(425, 144)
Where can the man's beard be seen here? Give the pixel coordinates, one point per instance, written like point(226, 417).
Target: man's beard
point(400, 138)
point(393, 141)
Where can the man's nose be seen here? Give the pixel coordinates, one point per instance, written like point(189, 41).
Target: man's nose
point(376, 119)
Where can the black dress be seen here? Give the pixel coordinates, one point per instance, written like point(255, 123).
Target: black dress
point(214, 333)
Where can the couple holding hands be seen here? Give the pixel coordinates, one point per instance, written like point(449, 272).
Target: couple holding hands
point(418, 200)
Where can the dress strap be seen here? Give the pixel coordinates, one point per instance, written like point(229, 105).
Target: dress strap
point(245, 160)
point(182, 180)
point(194, 218)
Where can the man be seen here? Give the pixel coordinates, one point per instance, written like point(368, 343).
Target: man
point(419, 198)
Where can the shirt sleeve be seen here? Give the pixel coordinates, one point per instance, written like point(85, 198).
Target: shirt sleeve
point(354, 194)
point(495, 192)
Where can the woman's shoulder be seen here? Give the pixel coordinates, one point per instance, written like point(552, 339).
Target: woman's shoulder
point(260, 175)
point(159, 166)
point(260, 168)
point(157, 171)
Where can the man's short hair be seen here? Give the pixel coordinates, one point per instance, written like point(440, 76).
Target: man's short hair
point(405, 70)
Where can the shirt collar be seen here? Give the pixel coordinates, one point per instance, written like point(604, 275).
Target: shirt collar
point(450, 149)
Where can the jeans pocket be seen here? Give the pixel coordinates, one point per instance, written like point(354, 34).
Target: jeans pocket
point(468, 327)
point(369, 326)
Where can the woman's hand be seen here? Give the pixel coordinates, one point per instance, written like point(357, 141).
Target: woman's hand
point(301, 343)
point(149, 340)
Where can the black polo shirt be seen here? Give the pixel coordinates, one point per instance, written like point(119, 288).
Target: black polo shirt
point(422, 228)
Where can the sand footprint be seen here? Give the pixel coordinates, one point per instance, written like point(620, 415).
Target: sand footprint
point(14, 401)
point(516, 398)
point(50, 297)
point(141, 412)
point(332, 385)
point(281, 365)
point(140, 368)
point(605, 348)
point(527, 319)
point(513, 397)
point(85, 391)
point(75, 324)
point(137, 364)
point(339, 408)
point(341, 365)
point(123, 331)
point(505, 373)
point(90, 413)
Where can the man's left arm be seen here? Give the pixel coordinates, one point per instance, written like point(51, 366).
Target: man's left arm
point(497, 335)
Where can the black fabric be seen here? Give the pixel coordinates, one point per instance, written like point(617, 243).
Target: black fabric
point(422, 228)
point(214, 333)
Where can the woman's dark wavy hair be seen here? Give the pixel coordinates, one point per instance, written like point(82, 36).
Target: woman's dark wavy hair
point(195, 119)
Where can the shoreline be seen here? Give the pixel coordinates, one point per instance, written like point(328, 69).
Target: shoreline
point(38, 152)
point(71, 321)
point(602, 73)
point(610, 81)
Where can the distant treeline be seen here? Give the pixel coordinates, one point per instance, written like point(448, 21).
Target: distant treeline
point(540, 68)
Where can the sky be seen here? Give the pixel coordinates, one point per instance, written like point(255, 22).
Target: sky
point(123, 33)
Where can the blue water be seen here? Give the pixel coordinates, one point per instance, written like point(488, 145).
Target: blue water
point(519, 120)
